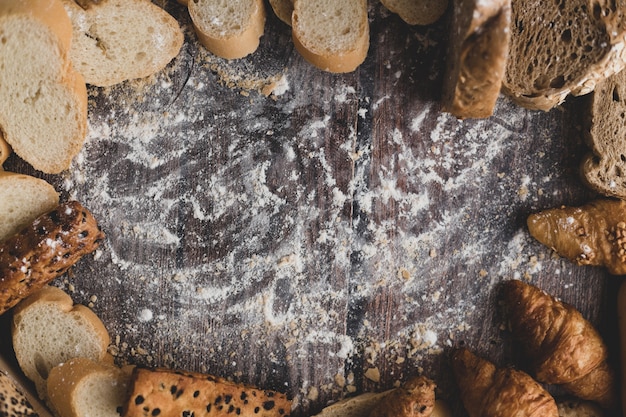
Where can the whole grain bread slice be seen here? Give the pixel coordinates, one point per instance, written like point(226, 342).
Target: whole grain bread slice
point(228, 29)
point(604, 168)
point(333, 35)
point(417, 12)
point(477, 54)
point(118, 40)
point(43, 101)
point(563, 47)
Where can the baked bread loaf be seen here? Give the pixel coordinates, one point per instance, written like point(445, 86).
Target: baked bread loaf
point(44, 250)
point(563, 48)
point(118, 40)
point(333, 35)
point(81, 387)
point(604, 168)
point(229, 29)
point(172, 393)
point(283, 9)
point(477, 55)
point(22, 199)
point(48, 329)
point(417, 12)
point(5, 150)
point(43, 101)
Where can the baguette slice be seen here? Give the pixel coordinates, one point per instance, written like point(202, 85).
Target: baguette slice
point(228, 29)
point(333, 35)
point(22, 199)
point(81, 387)
point(119, 40)
point(5, 150)
point(43, 101)
point(283, 9)
point(48, 329)
point(604, 169)
point(477, 56)
point(417, 12)
point(563, 48)
point(172, 393)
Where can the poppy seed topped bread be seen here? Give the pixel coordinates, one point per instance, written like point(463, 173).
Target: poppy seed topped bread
point(563, 47)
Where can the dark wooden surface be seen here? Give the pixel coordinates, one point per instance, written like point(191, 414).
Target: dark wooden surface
point(299, 240)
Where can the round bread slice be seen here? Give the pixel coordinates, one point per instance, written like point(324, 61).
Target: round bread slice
point(48, 329)
point(81, 387)
point(417, 12)
point(22, 199)
point(333, 35)
point(283, 9)
point(118, 40)
point(229, 29)
point(43, 101)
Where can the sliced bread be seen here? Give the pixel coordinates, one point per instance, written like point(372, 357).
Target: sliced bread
point(561, 48)
point(229, 29)
point(48, 329)
point(477, 55)
point(43, 101)
point(283, 9)
point(22, 199)
point(118, 40)
point(5, 150)
point(417, 12)
point(604, 168)
point(333, 35)
point(81, 387)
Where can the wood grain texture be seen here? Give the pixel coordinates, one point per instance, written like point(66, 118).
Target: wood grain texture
point(311, 241)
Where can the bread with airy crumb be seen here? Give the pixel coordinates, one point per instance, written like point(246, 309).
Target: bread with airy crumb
point(43, 100)
point(417, 12)
point(228, 29)
point(118, 40)
point(82, 387)
point(22, 199)
point(333, 35)
point(477, 55)
point(283, 9)
point(48, 329)
point(563, 47)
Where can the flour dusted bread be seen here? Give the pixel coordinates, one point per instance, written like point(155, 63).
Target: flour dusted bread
point(333, 35)
point(477, 57)
point(82, 387)
point(118, 40)
point(172, 393)
point(562, 48)
point(417, 12)
point(229, 29)
point(22, 199)
point(43, 101)
point(44, 250)
point(48, 329)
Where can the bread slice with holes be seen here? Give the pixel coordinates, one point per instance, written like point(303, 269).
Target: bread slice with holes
point(417, 12)
point(48, 329)
point(333, 35)
point(43, 100)
point(563, 47)
point(118, 40)
point(22, 199)
point(228, 29)
point(477, 55)
point(604, 168)
point(81, 387)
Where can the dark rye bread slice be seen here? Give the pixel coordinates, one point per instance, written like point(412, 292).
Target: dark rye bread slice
point(604, 168)
point(163, 392)
point(563, 47)
point(477, 56)
point(44, 250)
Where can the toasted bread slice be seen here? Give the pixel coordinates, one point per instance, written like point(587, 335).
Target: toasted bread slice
point(417, 12)
point(230, 29)
point(48, 329)
point(43, 101)
point(333, 35)
point(477, 57)
point(560, 48)
point(283, 9)
point(119, 40)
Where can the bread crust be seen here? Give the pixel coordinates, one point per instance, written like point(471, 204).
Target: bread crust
point(231, 44)
point(283, 9)
point(417, 12)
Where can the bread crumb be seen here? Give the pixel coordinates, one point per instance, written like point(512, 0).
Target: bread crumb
point(313, 394)
point(340, 380)
point(373, 374)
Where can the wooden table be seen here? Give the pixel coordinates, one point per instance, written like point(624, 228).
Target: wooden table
point(337, 236)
